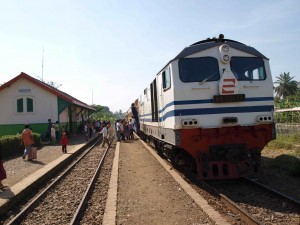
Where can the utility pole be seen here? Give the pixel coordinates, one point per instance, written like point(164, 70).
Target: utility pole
point(43, 65)
point(92, 97)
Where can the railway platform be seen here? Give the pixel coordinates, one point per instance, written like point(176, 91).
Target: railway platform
point(146, 190)
point(22, 175)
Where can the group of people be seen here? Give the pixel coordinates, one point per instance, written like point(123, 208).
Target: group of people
point(53, 130)
point(89, 127)
point(125, 130)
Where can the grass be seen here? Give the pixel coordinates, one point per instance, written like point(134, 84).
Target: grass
point(285, 142)
point(288, 162)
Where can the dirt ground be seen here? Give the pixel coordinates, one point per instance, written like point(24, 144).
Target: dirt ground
point(147, 194)
point(17, 168)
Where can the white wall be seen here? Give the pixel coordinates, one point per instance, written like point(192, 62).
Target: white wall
point(44, 104)
point(64, 117)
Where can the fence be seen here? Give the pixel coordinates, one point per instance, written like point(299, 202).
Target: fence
point(287, 128)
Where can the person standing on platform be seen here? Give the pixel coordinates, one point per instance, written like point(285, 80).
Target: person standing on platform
point(64, 142)
point(104, 132)
point(86, 131)
point(53, 135)
point(2, 171)
point(27, 141)
point(49, 129)
point(57, 131)
point(90, 126)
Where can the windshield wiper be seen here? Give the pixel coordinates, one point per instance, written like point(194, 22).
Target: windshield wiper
point(202, 82)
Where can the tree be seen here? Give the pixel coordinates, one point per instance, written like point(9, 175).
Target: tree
point(50, 83)
point(286, 85)
point(102, 113)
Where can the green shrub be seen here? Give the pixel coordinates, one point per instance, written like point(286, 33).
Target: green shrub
point(37, 141)
point(12, 145)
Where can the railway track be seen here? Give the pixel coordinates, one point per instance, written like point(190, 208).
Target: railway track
point(256, 203)
point(65, 199)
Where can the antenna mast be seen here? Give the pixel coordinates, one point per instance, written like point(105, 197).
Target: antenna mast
point(43, 65)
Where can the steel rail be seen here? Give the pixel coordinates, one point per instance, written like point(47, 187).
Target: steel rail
point(15, 219)
point(273, 191)
point(89, 189)
point(231, 205)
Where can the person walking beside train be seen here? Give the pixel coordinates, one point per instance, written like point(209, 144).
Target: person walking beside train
point(122, 130)
point(131, 126)
point(27, 140)
point(104, 132)
point(118, 130)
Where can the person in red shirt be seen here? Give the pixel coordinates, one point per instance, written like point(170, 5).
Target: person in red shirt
point(64, 142)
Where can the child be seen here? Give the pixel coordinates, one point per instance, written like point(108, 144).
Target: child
point(64, 142)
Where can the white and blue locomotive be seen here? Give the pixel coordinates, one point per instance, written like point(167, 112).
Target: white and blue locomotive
point(211, 109)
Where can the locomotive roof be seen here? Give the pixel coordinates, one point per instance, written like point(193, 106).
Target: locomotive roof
point(210, 43)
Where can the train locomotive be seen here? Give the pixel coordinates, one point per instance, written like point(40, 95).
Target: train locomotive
point(210, 109)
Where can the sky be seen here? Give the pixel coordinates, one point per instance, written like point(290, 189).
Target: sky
point(107, 52)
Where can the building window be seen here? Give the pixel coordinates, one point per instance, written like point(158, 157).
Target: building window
point(29, 104)
point(20, 105)
point(25, 104)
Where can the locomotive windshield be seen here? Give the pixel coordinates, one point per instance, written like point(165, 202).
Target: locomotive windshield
point(199, 69)
point(248, 68)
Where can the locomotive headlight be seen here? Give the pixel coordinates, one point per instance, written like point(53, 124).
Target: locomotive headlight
point(264, 118)
point(189, 123)
point(226, 58)
point(225, 48)
point(224, 53)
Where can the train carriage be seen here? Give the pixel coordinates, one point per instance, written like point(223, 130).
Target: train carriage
point(211, 109)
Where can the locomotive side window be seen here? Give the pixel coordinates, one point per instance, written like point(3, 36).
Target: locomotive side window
point(199, 69)
point(166, 77)
point(248, 68)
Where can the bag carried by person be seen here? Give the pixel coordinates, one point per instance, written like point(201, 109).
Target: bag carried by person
point(33, 153)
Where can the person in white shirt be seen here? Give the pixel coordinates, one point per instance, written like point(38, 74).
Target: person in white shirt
point(118, 130)
point(53, 134)
point(104, 132)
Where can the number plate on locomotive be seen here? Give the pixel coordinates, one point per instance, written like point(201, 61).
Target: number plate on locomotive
point(229, 98)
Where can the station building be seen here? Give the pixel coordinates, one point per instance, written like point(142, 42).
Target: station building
point(26, 100)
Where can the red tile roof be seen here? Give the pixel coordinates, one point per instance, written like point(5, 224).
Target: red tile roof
point(49, 88)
